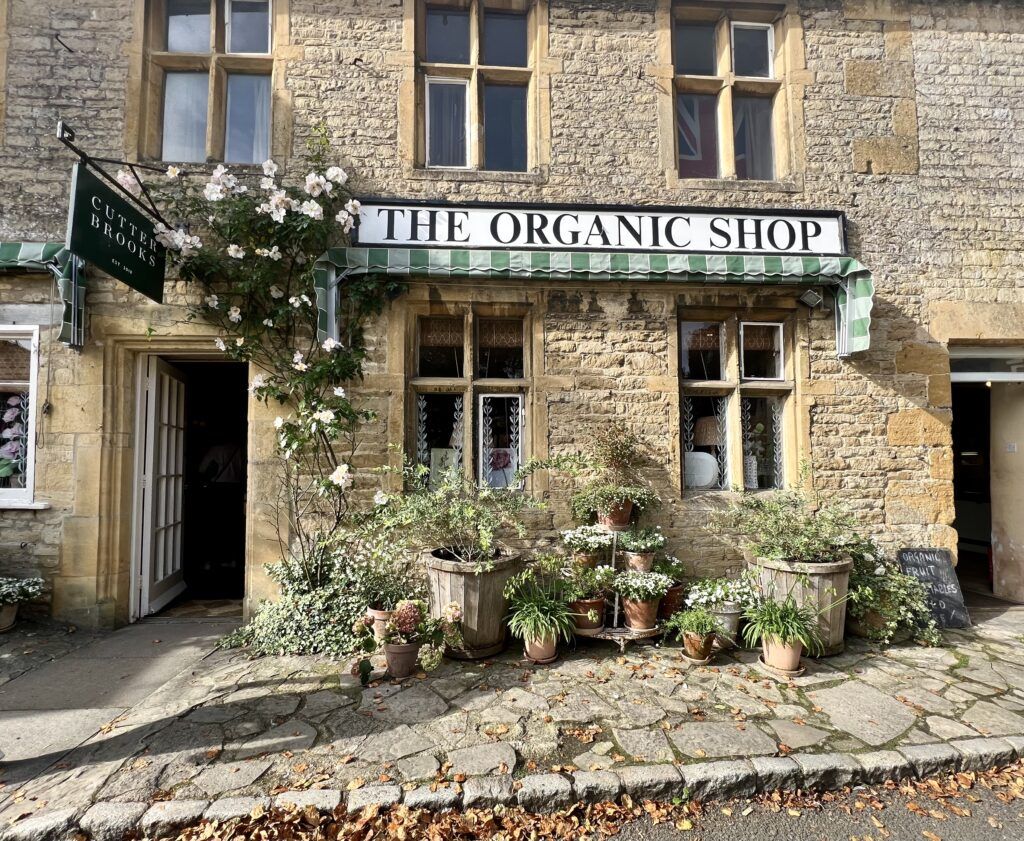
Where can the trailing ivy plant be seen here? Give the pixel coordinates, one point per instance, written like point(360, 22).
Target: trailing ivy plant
point(248, 244)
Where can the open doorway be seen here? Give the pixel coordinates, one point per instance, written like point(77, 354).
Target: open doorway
point(972, 432)
point(191, 487)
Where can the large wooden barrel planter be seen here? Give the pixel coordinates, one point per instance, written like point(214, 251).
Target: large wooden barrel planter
point(822, 587)
point(481, 596)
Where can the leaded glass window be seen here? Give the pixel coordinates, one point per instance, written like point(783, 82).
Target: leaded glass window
point(500, 448)
point(705, 442)
point(17, 416)
point(439, 433)
point(761, 423)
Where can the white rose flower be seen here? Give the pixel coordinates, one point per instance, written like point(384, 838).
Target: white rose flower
point(235, 315)
point(342, 476)
point(330, 344)
point(239, 341)
point(275, 253)
point(213, 192)
point(212, 301)
point(269, 168)
point(353, 206)
point(339, 391)
point(219, 343)
point(173, 172)
point(324, 416)
point(275, 292)
point(258, 382)
point(346, 220)
point(268, 322)
point(268, 184)
point(236, 251)
point(337, 175)
point(380, 498)
point(312, 209)
point(278, 422)
point(128, 180)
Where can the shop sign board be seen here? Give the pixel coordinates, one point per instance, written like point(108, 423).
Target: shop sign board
point(579, 228)
point(934, 569)
point(105, 230)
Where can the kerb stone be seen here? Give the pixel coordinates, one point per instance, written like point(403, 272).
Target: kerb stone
point(719, 780)
point(544, 792)
point(651, 782)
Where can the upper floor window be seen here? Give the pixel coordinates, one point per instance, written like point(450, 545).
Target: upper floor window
point(18, 363)
point(475, 59)
point(726, 89)
point(210, 70)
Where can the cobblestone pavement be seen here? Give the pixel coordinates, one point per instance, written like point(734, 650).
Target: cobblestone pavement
point(33, 642)
point(230, 730)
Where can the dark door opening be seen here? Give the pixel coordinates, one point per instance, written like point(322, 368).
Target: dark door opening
point(214, 498)
point(972, 433)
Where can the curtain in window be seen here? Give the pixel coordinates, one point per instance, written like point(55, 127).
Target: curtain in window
point(446, 141)
point(752, 117)
point(185, 100)
point(248, 123)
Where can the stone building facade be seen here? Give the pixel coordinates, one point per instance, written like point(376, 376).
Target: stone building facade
point(904, 116)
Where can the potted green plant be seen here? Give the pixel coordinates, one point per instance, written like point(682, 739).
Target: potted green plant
point(798, 546)
point(785, 630)
point(887, 605)
point(612, 503)
point(588, 544)
point(457, 527)
point(539, 614)
point(14, 591)
point(673, 599)
point(641, 593)
point(726, 598)
point(386, 575)
point(414, 638)
point(696, 628)
point(585, 590)
point(639, 546)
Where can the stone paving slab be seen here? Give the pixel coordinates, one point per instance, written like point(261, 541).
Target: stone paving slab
point(590, 726)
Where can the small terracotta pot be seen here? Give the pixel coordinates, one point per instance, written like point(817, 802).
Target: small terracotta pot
point(642, 561)
point(541, 651)
point(698, 646)
point(402, 659)
point(782, 656)
point(581, 619)
point(380, 620)
point(586, 559)
point(618, 518)
point(672, 601)
point(641, 616)
point(8, 616)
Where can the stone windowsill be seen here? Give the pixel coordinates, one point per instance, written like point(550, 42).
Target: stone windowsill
point(21, 505)
point(473, 176)
point(791, 185)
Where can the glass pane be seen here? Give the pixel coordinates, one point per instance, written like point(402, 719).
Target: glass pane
point(698, 135)
point(504, 39)
point(188, 26)
point(448, 36)
point(185, 98)
point(250, 26)
point(762, 351)
point(987, 364)
point(500, 440)
point(751, 51)
point(505, 128)
point(441, 347)
point(761, 421)
point(752, 117)
point(439, 429)
point(705, 461)
point(15, 376)
point(499, 348)
point(248, 123)
point(700, 345)
point(695, 49)
point(446, 121)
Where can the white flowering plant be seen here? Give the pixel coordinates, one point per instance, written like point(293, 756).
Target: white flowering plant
point(16, 590)
point(249, 244)
point(712, 593)
point(642, 586)
point(587, 540)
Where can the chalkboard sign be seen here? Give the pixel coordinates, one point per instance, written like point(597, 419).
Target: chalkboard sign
point(934, 569)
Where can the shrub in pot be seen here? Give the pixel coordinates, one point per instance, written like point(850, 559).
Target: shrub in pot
point(588, 544)
point(585, 590)
point(413, 639)
point(612, 503)
point(641, 592)
point(457, 525)
point(886, 605)
point(674, 598)
point(696, 628)
point(14, 591)
point(785, 630)
point(386, 574)
point(799, 546)
point(726, 598)
point(639, 546)
point(539, 614)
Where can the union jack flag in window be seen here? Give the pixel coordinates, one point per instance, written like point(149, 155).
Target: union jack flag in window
point(698, 135)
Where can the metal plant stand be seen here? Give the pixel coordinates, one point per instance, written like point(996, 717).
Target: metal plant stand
point(618, 632)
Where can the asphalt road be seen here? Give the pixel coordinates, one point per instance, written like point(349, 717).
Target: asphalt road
point(831, 822)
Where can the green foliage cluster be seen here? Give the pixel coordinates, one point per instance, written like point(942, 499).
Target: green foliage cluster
point(17, 590)
point(538, 604)
point(696, 620)
point(782, 620)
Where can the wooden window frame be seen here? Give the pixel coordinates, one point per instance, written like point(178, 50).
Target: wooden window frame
point(15, 497)
point(428, 81)
point(477, 75)
point(216, 64)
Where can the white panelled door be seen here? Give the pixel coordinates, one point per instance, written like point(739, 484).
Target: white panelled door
point(163, 484)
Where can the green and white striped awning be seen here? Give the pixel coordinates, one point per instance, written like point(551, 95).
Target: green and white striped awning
point(854, 286)
point(69, 272)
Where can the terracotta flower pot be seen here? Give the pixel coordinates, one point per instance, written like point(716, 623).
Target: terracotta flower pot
point(586, 559)
point(8, 615)
point(581, 618)
point(641, 616)
point(541, 651)
point(642, 561)
point(698, 646)
point(782, 656)
point(618, 518)
point(672, 601)
point(402, 659)
point(380, 620)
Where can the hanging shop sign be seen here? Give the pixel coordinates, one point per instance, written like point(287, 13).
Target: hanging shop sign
point(699, 230)
point(107, 231)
